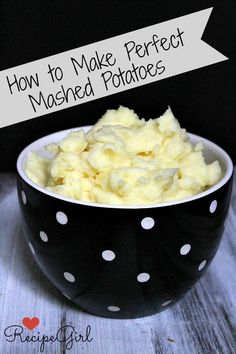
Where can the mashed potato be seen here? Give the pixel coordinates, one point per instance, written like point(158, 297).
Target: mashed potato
point(125, 160)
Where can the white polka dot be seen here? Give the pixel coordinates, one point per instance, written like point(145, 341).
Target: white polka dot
point(147, 223)
point(213, 206)
point(43, 236)
point(143, 277)
point(113, 308)
point(23, 196)
point(66, 296)
point(202, 265)
point(108, 255)
point(61, 218)
point(69, 277)
point(31, 248)
point(185, 249)
point(166, 303)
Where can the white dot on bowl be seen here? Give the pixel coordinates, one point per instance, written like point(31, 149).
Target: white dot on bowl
point(147, 223)
point(113, 308)
point(43, 236)
point(185, 249)
point(213, 206)
point(166, 303)
point(61, 218)
point(69, 277)
point(108, 255)
point(31, 248)
point(66, 296)
point(202, 265)
point(143, 277)
point(23, 196)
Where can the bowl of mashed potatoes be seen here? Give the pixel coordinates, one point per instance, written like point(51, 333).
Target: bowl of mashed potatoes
point(126, 215)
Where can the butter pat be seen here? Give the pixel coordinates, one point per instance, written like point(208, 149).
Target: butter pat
point(125, 160)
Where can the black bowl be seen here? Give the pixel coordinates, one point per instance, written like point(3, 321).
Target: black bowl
point(124, 261)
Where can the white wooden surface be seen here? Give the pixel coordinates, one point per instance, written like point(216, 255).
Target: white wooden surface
point(203, 322)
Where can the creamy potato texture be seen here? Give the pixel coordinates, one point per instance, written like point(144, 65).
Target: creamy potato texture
point(125, 160)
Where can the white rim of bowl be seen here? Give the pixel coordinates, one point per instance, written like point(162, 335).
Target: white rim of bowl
point(216, 148)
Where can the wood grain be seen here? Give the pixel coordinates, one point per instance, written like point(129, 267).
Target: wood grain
point(204, 322)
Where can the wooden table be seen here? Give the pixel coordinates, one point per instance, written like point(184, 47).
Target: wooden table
point(203, 322)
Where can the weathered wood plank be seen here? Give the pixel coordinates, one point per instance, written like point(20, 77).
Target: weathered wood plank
point(203, 322)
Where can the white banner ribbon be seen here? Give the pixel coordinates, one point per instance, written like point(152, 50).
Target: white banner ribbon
point(106, 67)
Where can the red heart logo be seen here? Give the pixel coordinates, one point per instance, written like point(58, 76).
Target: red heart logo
point(30, 323)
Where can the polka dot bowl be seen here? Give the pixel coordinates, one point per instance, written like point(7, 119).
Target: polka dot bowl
point(123, 261)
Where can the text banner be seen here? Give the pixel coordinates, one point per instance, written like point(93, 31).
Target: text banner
point(105, 67)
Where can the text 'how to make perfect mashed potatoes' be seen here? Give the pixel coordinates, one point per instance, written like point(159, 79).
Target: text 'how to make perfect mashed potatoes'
point(125, 160)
